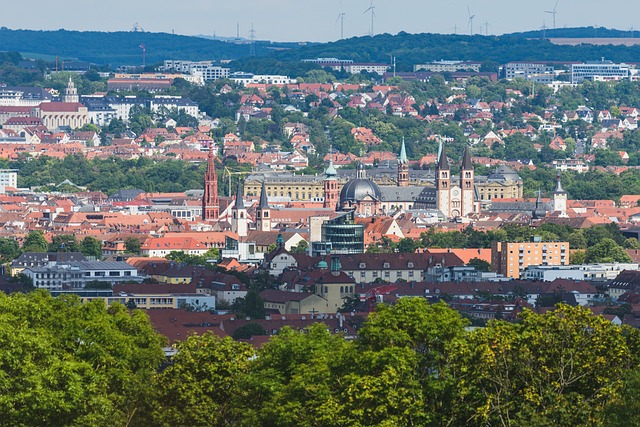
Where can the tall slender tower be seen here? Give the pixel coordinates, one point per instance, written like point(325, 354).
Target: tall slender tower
point(403, 167)
point(239, 213)
point(331, 187)
point(70, 93)
point(210, 205)
point(559, 198)
point(443, 184)
point(263, 213)
point(467, 184)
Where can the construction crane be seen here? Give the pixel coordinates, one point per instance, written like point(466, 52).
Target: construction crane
point(228, 173)
point(376, 295)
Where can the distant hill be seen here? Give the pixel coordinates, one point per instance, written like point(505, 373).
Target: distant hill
point(579, 33)
point(412, 49)
point(120, 48)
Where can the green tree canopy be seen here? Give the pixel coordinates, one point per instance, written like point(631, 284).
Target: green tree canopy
point(65, 362)
point(35, 242)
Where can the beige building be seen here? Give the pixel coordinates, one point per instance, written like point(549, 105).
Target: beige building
point(503, 183)
point(512, 258)
point(57, 114)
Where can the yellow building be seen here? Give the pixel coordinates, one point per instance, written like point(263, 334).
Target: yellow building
point(511, 258)
point(503, 183)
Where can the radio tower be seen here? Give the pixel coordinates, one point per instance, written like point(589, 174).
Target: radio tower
point(252, 42)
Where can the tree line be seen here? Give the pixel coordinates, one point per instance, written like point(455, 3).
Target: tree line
point(65, 363)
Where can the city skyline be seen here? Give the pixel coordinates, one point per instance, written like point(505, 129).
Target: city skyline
point(314, 20)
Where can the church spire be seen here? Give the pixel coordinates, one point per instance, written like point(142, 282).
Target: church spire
point(263, 212)
point(403, 167)
point(239, 196)
point(559, 189)
point(210, 204)
point(443, 162)
point(403, 153)
point(466, 160)
point(264, 201)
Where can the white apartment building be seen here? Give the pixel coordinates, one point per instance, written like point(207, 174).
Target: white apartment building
point(531, 71)
point(591, 272)
point(447, 66)
point(248, 78)
point(357, 68)
point(206, 69)
point(599, 71)
point(76, 274)
point(571, 165)
point(8, 178)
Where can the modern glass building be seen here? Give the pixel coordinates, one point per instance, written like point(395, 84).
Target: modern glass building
point(340, 235)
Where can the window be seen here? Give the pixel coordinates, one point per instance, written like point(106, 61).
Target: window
point(114, 274)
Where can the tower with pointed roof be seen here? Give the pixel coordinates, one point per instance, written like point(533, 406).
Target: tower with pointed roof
point(403, 167)
point(559, 198)
point(467, 185)
point(210, 204)
point(331, 191)
point(443, 184)
point(239, 213)
point(263, 212)
point(70, 93)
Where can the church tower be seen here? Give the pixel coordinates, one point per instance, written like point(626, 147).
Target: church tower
point(210, 204)
point(467, 185)
point(403, 167)
point(239, 213)
point(263, 213)
point(70, 93)
point(559, 198)
point(443, 184)
point(331, 187)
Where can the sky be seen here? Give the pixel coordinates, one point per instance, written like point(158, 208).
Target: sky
point(312, 20)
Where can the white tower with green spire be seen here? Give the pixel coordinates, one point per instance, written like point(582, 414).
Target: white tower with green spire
point(403, 167)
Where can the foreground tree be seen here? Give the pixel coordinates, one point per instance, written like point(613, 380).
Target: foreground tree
point(202, 385)
point(64, 362)
point(561, 368)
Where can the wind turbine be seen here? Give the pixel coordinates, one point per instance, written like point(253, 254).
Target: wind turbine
point(553, 13)
point(373, 14)
point(341, 16)
point(471, 17)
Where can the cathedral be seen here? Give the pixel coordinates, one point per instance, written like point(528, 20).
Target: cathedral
point(454, 199)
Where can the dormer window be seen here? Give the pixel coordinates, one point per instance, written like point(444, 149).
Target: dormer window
point(363, 265)
point(385, 265)
point(409, 265)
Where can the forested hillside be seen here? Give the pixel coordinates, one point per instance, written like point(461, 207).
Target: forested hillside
point(119, 48)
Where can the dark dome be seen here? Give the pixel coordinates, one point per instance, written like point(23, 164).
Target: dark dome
point(357, 189)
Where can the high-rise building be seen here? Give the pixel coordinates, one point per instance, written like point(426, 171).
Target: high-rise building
point(210, 204)
point(512, 258)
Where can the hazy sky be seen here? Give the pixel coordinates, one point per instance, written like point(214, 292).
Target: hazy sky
point(312, 20)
